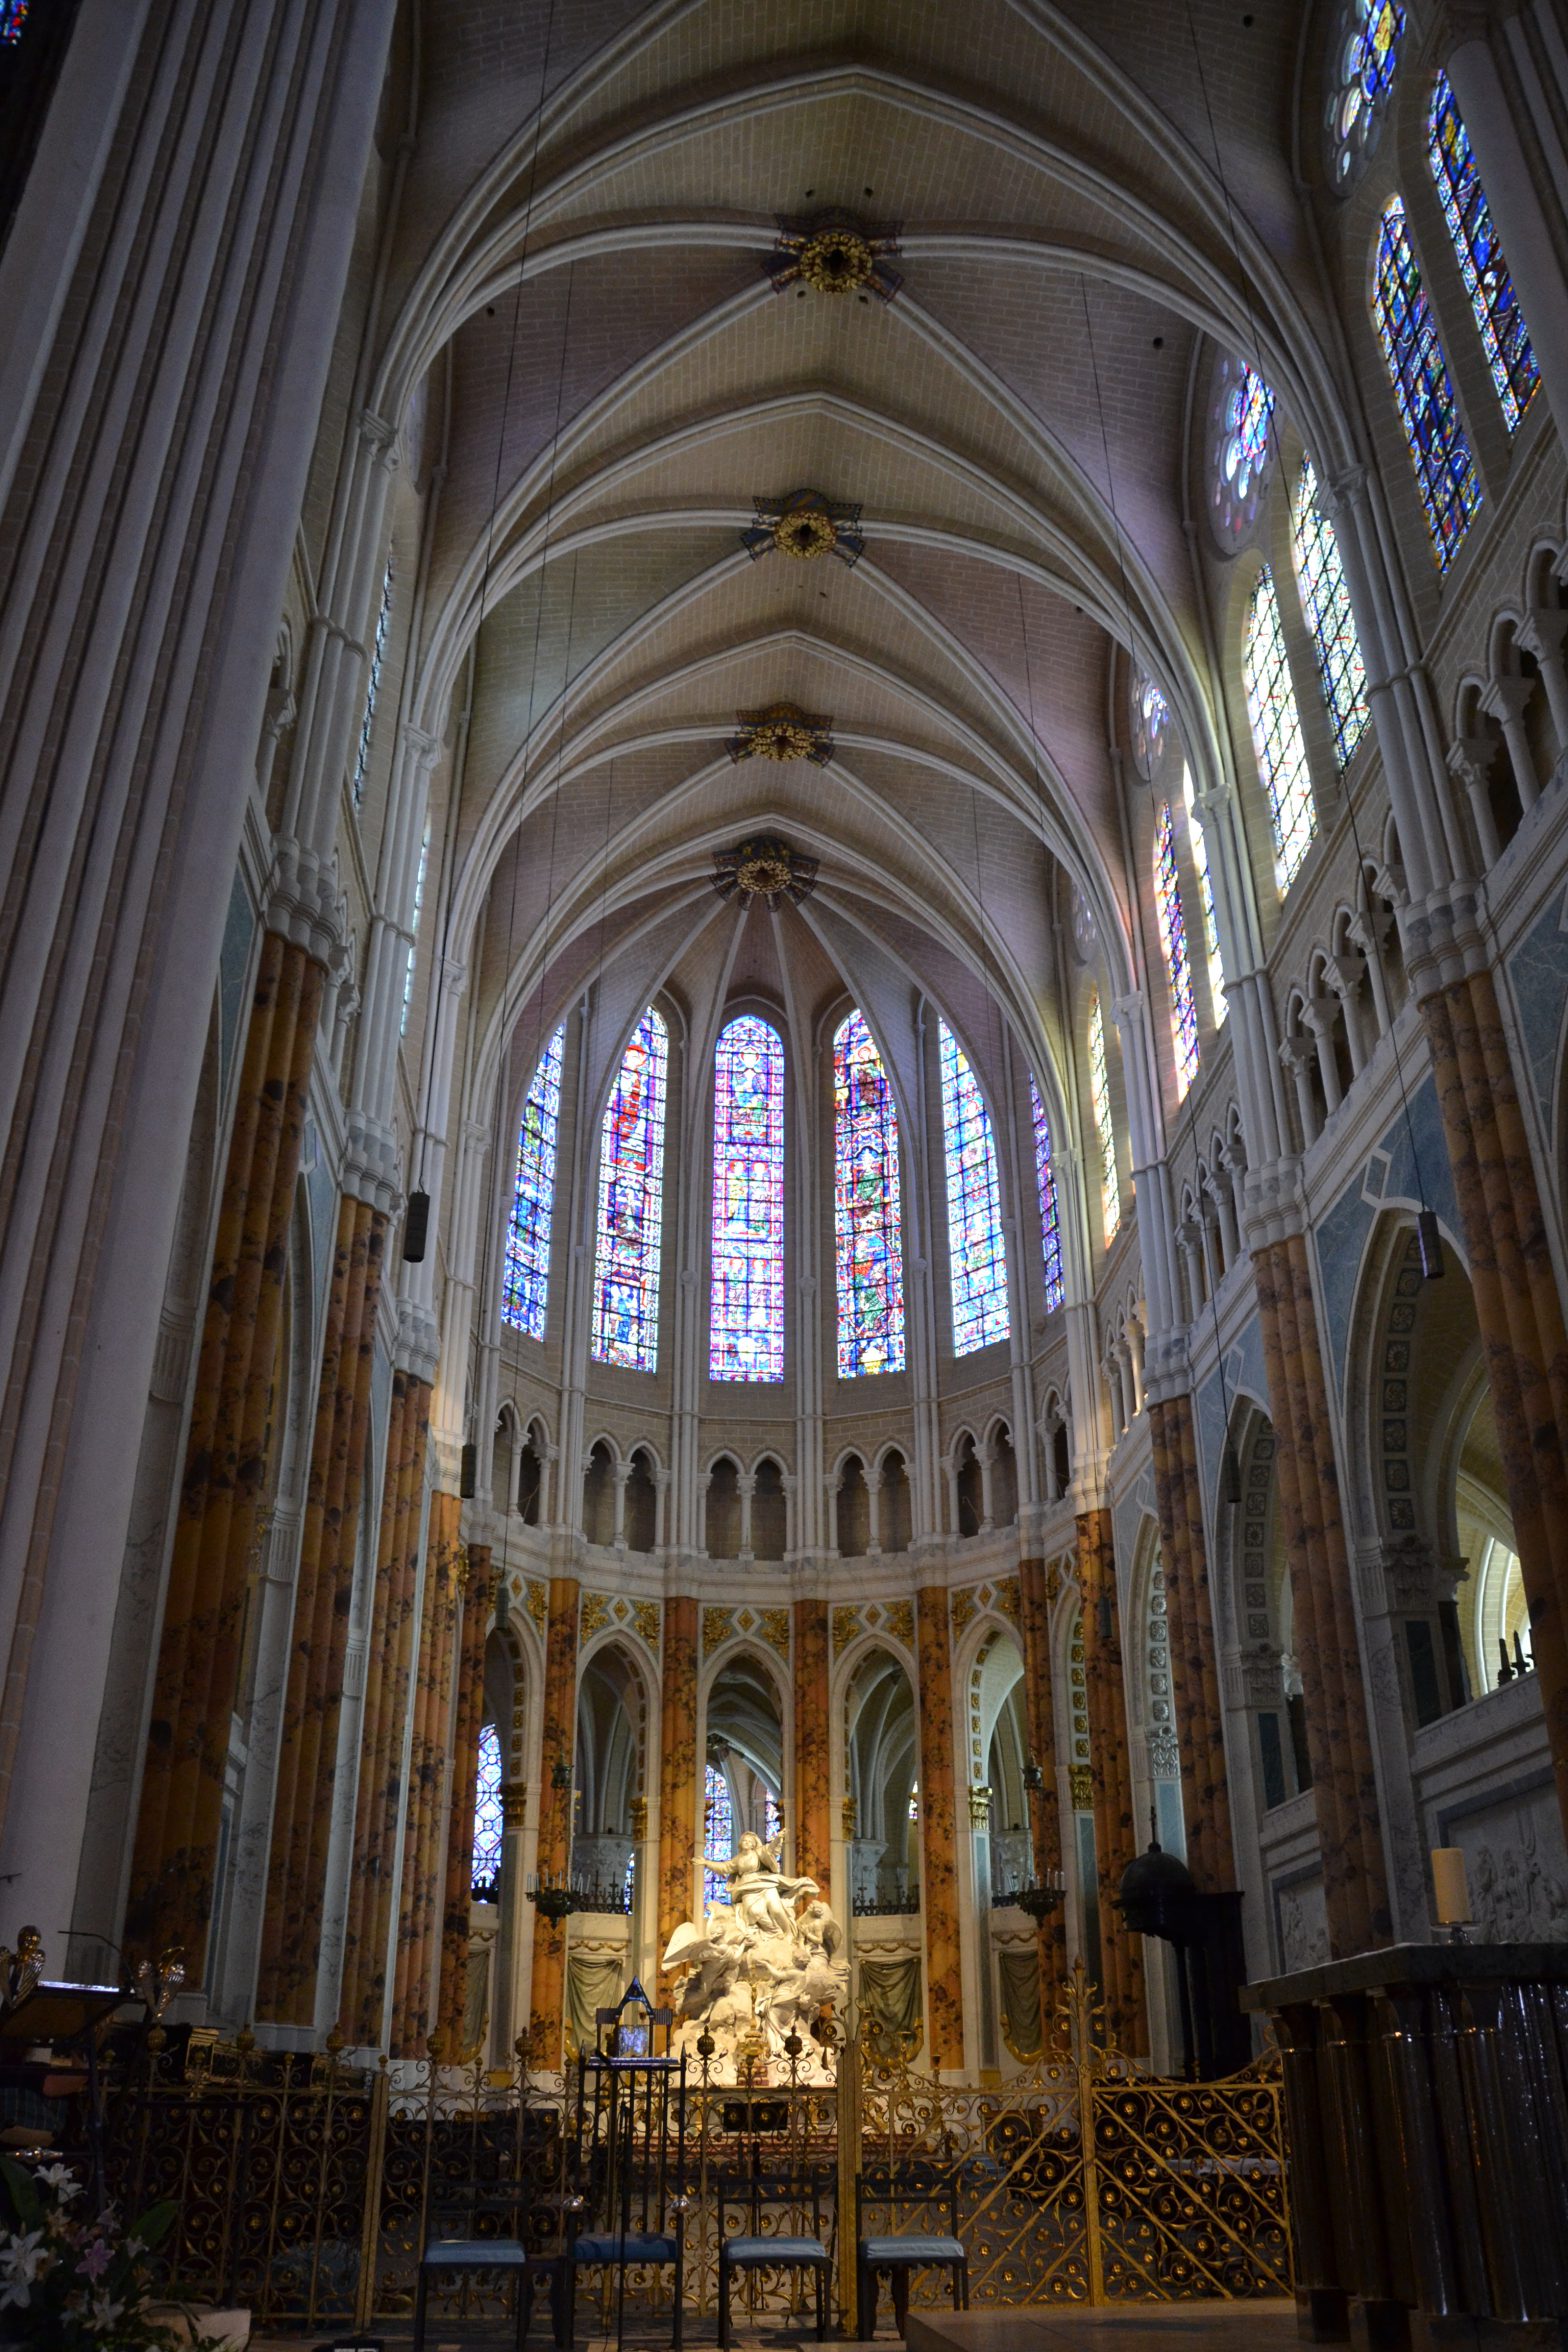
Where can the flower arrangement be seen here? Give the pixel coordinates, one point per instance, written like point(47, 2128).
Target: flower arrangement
point(69, 2280)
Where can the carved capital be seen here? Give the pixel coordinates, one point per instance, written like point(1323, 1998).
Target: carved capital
point(303, 902)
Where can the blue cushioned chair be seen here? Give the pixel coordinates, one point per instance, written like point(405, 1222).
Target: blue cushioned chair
point(750, 2247)
point(467, 2256)
point(629, 2156)
point(899, 2188)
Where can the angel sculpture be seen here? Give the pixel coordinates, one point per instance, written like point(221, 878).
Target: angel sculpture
point(759, 1893)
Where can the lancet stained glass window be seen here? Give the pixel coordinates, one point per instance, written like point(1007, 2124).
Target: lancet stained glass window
point(1050, 1214)
point(746, 1331)
point(867, 1219)
point(1423, 389)
point(1325, 599)
point(1488, 280)
point(1363, 60)
point(489, 1817)
point(1276, 732)
point(976, 1252)
point(13, 16)
point(1173, 946)
point(413, 941)
point(525, 1283)
point(378, 655)
point(1104, 1126)
point(631, 1204)
point(1211, 928)
point(719, 1830)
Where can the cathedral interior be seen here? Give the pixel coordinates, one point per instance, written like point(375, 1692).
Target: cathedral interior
point(636, 1215)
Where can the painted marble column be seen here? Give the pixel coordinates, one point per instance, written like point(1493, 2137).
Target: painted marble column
point(451, 2008)
point(426, 1779)
point(323, 1603)
point(939, 1829)
point(557, 1746)
point(225, 1478)
point(388, 1679)
point(813, 1807)
point(1115, 1832)
point(1045, 1803)
point(1194, 1660)
point(680, 1818)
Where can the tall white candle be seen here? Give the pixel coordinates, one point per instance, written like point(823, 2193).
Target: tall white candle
point(1450, 1886)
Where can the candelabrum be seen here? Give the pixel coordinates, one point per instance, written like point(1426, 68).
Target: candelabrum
point(557, 1895)
point(1039, 1898)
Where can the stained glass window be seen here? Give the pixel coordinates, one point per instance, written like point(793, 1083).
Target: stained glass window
point(868, 1235)
point(976, 1252)
point(1241, 446)
point(1276, 732)
point(1211, 928)
point(1363, 59)
point(378, 655)
point(1488, 280)
point(631, 1204)
point(13, 16)
point(1423, 388)
point(1151, 718)
point(719, 1834)
point(489, 1819)
point(525, 1283)
point(413, 938)
point(746, 1335)
point(1173, 946)
point(1104, 1126)
point(1050, 1215)
point(772, 1817)
point(1325, 598)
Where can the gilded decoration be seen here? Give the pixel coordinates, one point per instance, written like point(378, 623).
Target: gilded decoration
point(898, 1619)
point(538, 1601)
point(782, 731)
point(833, 253)
point(514, 1803)
point(964, 1605)
point(595, 1615)
point(1080, 1780)
point(804, 526)
point(846, 1624)
point(773, 1625)
point(717, 1626)
point(1007, 1599)
point(646, 1623)
point(764, 868)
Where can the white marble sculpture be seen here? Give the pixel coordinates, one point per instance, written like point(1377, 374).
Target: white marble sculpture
point(759, 1968)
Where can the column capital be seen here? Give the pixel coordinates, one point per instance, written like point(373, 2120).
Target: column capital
point(418, 1350)
point(419, 746)
point(371, 1169)
point(378, 438)
point(302, 901)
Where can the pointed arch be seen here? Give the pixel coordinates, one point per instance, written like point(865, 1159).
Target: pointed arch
point(631, 1203)
point(525, 1278)
point(867, 1212)
point(746, 1319)
point(1488, 281)
point(977, 1251)
point(1423, 388)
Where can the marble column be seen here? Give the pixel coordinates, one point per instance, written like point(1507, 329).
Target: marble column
point(1045, 1803)
point(1116, 1838)
point(680, 1813)
point(1339, 1740)
point(226, 1460)
point(451, 2007)
point(388, 1679)
point(323, 1603)
point(557, 1746)
point(939, 1829)
point(813, 1821)
point(426, 1779)
point(1194, 1657)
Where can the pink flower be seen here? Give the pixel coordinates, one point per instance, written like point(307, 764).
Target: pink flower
point(96, 2260)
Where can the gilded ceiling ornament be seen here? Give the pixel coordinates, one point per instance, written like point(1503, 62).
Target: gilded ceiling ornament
point(833, 253)
point(782, 732)
point(766, 869)
point(804, 526)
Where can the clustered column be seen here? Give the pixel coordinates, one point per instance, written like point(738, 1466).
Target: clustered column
point(1194, 1665)
point(226, 1468)
point(678, 1802)
point(813, 1808)
point(1115, 1839)
point(1045, 1801)
point(939, 1828)
point(558, 1737)
point(452, 2006)
point(423, 1819)
point(1339, 1739)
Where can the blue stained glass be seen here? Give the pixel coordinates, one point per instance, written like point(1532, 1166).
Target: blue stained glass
point(1104, 1125)
point(631, 1204)
point(13, 16)
point(1211, 927)
point(1325, 599)
point(1050, 1214)
point(1364, 72)
point(719, 1831)
point(746, 1333)
point(1244, 450)
point(867, 1218)
point(1488, 281)
point(489, 1818)
point(772, 1817)
point(378, 655)
point(977, 1255)
point(1173, 946)
point(1276, 732)
point(1423, 389)
point(525, 1281)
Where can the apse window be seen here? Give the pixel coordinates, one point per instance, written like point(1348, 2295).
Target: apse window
point(631, 1204)
point(489, 1818)
point(1276, 733)
point(1362, 60)
point(1423, 389)
point(1050, 1213)
point(976, 1252)
point(1104, 1125)
point(1241, 448)
point(746, 1328)
point(867, 1215)
point(525, 1281)
point(1173, 947)
point(1211, 928)
point(1488, 280)
point(1325, 599)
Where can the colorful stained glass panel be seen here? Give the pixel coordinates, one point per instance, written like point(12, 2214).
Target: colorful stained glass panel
point(631, 1204)
point(1211, 928)
point(1325, 599)
point(1104, 1125)
point(719, 1830)
point(13, 16)
point(868, 1229)
point(1276, 732)
point(378, 655)
point(525, 1282)
point(1424, 390)
point(1050, 1213)
point(489, 1818)
point(1173, 946)
point(977, 1254)
point(1488, 281)
point(746, 1330)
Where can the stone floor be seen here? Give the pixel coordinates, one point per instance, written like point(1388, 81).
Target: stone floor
point(1136, 2327)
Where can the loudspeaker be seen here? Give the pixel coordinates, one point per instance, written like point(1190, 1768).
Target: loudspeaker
point(416, 1228)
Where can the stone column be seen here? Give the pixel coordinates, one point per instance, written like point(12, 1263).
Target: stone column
point(426, 1780)
point(558, 1742)
point(1339, 1740)
point(323, 1599)
point(451, 2006)
point(388, 1680)
point(813, 1808)
point(1115, 1834)
point(1194, 1656)
point(679, 1809)
point(224, 1484)
point(939, 1829)
point(1045, 1803)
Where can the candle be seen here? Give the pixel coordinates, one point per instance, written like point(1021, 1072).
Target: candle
point(1450, 1886)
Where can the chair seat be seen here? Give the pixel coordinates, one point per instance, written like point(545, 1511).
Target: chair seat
point(748, 2253)
point(474, 2254)
point(911, 2249)
point(635, 2246)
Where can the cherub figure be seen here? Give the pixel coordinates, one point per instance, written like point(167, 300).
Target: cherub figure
point(759, 1892)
